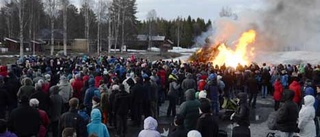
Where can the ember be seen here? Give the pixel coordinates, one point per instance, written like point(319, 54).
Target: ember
point(220, 54)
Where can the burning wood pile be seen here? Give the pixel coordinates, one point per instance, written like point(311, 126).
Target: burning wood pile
point(219, 54)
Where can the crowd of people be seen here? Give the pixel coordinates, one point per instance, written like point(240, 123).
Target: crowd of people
point(86, 96)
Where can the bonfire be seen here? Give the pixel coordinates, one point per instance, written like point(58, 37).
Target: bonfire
point(231, 56)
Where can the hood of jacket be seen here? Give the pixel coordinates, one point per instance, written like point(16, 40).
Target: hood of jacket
point(242, 98)
point(287, 95)
point(309, 100)
point(91, 82)
point(277, 83)
point(190, 94)
point(189, 76)
point(27, 81)
point(309, 91)
point(95, 116)
point(150, 123)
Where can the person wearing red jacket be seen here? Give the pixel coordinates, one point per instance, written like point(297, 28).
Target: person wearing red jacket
point(277, 94)
point(77, 85)
point(296, 87)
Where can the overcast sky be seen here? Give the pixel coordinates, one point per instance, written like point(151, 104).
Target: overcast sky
point(207, 9)
point(171, 9)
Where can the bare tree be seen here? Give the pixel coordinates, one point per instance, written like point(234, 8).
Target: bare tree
point(86, 27)
point(227, 12)
point(101, 12)
point(52, 9)
point(151, 17)
point(65, 4)
point(20, 4)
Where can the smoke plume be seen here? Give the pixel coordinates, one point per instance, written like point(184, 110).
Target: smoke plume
point(282, 25)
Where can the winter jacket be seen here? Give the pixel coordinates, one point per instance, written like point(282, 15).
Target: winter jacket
point(104, 101)
point(253, 85)
point(137, 93)
point(190, 110)
point(212, 91)
point(306, 118)
point(97, 81)
point(89, 93)
point(121, 103)
point(285, 80)
point(77, 85)
point(56, 102)
point(265, 78)
point(295, 86)
point(44, 100)
point(174, 89)
point(44, 123)
point(26, 89)
point(287, 115)
point(95, 126)
point(150, 128)
point(201, 84)
point(72, 119)
point(242, 113)
point(278, 89)
point(188, 83)
point(24, 120)
point(207, 125)
point(179, 131)
point(65, 91)
point(162, 74)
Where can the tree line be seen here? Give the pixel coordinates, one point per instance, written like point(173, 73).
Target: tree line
point(113, 22)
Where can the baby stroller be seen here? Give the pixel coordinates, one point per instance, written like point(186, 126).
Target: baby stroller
point(229, 106)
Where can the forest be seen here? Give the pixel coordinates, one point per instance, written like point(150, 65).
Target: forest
point(112, 21)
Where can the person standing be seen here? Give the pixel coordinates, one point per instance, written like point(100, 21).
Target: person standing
point(55, 109)
point(150, 128)
point(173, 95)
point(121, 108)
point(24, 121)
point(277, 94)
point(179, 130)
point(95, 127)
point(306, 122)
point(65, 91)
point(287, 115)
point(207, 124)
point(72, 119)
point(296, 88)
point(190, 110)
point(253, 88)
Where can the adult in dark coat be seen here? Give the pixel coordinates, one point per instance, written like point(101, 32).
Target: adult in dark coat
point(4, 98)
point(179, 130)
point(13, 86)
point(72, 119)
point(190, 110)
point(288, 114)
point(265, 81)
point(242, 114)
point(42, 97)
point(55, 109)
point(207, 124)
point(253, 88)
point(137, 100)
point(24, 121)
point(121, 108)
point(173, 95)
point(26, 89)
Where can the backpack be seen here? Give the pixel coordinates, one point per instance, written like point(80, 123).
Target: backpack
point(272, 121)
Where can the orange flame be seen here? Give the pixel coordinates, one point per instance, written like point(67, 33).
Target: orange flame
point(240, 55)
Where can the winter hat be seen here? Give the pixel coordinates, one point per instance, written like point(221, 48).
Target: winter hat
point(153, 78)
point(219, 77)
point(63, 78)
point(194, 133)
point(34, 102)
point(203, 94)
point(115, 87)
point(96, 99)
point(174, 71)
point(144, 75)
point(47, 77)
point(211, 77)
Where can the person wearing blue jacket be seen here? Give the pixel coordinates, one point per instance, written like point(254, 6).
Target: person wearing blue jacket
point(89, 95)
point(96, 127)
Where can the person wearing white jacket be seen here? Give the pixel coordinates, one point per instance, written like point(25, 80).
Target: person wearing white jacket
point(150, 128)
point(306, 118)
